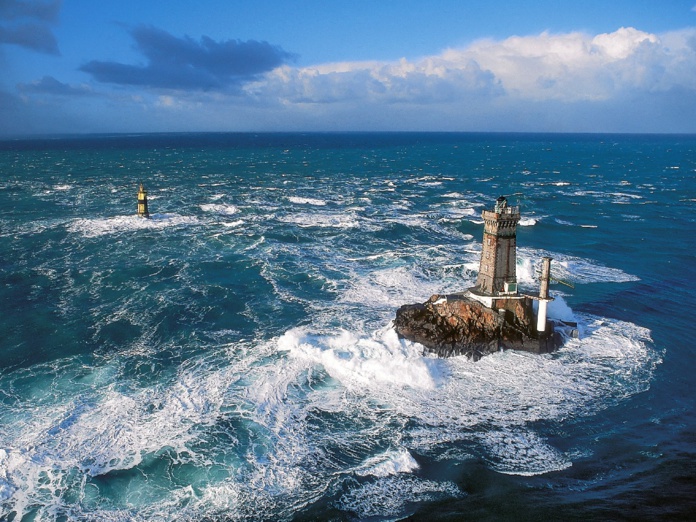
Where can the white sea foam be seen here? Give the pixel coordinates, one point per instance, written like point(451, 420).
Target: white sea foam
point(338, 385)
point(110, 431)
point(527, 267)
point(10, 463)
point(375, 379)
point(388, 463)
point(322, 220)
point(8, 228)
point(234, 224)
point(559, 309)
point(521, 452)
point(385, 496)
point(307, 201)
point(472, 267)
point(458, 211)
point(500, 391)
point(118, 431)
point(528, 222)
point(382, 288)
point(412, 220)
point(226, 210)
point(625, 195)
point(358, 361)
point(105, 226)
point(579, 270)
point(566, 268)
point(425, 180)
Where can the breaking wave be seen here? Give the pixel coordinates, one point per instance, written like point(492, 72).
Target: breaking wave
point(105, 226)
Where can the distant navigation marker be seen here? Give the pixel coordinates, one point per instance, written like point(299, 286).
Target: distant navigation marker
point(142, 202)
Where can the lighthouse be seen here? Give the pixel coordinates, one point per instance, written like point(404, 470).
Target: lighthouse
point(493, 314)
point(142, 202)
point(497, 275)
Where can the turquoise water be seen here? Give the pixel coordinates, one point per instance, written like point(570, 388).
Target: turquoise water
point(232, 357)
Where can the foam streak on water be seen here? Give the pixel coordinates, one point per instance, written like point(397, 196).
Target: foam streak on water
point(233, 358)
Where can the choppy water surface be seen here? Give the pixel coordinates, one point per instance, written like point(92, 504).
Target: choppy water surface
point(232, 357)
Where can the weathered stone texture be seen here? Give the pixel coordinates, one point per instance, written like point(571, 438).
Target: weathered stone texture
point(458, 325)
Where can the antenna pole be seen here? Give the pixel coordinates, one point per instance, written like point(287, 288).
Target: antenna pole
point(543, 294)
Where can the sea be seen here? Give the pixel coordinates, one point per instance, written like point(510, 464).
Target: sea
point(233, 357)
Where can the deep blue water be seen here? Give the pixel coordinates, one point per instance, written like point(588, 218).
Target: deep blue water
point(232, 357)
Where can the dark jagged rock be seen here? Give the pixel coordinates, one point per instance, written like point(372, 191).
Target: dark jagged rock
point(459, 325)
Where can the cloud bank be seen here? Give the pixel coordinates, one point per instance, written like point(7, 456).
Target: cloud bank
point(569, 68)
point(182, 63)
point(623, 81)
point(49, 85)
point(27, 24)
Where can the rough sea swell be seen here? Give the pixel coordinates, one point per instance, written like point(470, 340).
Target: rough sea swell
point(232, 358)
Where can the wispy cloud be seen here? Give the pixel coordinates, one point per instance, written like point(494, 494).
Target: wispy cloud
point(39, 10)
point(49, 85)
point(183, 63)
point(27, 24)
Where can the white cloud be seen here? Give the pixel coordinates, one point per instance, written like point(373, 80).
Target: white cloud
point(622, 43)
point(572, 67)
point(166, 101)
point(425, 81)
point(624, 81)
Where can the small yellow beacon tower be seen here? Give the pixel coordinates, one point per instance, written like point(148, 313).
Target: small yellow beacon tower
point(142, 202)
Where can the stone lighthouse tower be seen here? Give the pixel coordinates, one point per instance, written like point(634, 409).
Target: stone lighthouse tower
point(497, 272)
point(492, 315)
point(142, 202)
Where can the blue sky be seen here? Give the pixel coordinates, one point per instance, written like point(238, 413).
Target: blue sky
point(82, 66)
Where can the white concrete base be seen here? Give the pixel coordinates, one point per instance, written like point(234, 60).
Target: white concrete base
point(541, 316)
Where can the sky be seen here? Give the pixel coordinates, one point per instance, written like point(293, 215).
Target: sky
point(134, 66)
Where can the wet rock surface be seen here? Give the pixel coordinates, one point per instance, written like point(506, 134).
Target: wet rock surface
point(454, 324)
